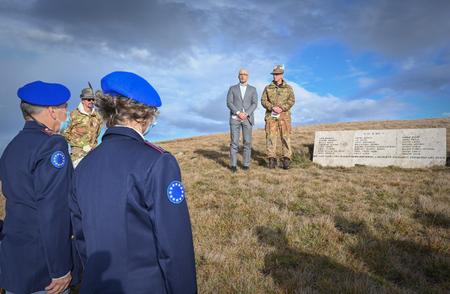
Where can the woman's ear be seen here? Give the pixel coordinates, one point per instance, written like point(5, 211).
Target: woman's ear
point(145, 125)
point(51, 110)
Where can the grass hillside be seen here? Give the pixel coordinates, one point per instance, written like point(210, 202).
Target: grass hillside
point(315, 229)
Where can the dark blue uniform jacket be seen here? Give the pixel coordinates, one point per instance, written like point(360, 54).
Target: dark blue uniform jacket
point(36, 173)
point(131, 237)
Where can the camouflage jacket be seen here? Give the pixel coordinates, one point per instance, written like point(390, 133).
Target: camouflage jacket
point(82, 132)
point(281, 96)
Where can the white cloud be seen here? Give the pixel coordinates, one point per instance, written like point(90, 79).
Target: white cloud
point(194, 91)
point(409, 63)
point(365, 82)
point(314, 108)
point(45, 36)
point(25, 34)
point(138, 53)
point(191, 52)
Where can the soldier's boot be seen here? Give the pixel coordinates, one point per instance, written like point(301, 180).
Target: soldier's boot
point(272, 162)
point(286, 163)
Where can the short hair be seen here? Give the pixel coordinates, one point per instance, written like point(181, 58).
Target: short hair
point(116, 110)
point(242, 69)
point(28, 110)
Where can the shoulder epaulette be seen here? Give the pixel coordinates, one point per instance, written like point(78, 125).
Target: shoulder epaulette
point(157, 148)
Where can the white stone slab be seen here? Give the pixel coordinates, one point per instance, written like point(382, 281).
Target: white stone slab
point(409, 148)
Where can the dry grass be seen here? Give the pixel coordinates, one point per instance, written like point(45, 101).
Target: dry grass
point(313, 229)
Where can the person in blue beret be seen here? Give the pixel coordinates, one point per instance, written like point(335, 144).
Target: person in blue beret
point(36, 174)
point(128, 205)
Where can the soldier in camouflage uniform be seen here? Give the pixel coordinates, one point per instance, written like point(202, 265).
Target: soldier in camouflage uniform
point(84, 127)
point(277, 99)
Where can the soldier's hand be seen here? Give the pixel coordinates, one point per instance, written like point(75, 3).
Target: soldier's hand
point(277, 109)
point(59, 285)
point(87, 148)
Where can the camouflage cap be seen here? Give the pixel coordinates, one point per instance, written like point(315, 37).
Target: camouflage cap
point(278, 69)
point(87, 93)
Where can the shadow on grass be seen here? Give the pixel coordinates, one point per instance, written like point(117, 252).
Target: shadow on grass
point(349, 227)
point(299, 272)
point(214, 155)
point(408, 265)
point(307, 151)
point(222, 155)
point(259, 157)
point(435, 219)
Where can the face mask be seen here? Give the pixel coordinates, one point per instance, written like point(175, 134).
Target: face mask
point(150, 126)
point(64, 124)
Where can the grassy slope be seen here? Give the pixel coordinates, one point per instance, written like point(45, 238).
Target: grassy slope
point(313, 229)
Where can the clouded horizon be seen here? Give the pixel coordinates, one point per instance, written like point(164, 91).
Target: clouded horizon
point(347, 60)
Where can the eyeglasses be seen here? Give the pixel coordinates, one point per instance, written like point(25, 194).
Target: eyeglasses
point(89, 99)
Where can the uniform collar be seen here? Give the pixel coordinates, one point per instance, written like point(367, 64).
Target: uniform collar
point(279, 86)
point(122, 131)
point(82, 111)
point(32, 124)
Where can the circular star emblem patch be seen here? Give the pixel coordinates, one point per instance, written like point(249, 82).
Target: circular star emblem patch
point(175, 192)
point(58, 159)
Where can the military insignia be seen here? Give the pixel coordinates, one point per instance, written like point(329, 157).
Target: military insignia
point(58, 159)
point(175, 192)
point(48, 131)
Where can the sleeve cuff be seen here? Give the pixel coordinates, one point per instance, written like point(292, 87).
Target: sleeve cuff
point(65, 276)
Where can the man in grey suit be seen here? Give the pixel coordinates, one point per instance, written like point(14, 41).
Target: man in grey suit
point(242, 101)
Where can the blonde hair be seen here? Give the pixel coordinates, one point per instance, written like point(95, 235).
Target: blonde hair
point(116, 110)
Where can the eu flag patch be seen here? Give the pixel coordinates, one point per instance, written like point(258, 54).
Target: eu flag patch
point(175, 192)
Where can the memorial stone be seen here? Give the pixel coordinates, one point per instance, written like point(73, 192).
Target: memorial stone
point(409, 148)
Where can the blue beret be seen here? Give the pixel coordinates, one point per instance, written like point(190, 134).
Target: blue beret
point(44, 94)
point(132, 86)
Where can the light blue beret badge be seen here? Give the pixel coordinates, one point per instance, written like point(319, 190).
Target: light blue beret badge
point(58, 159)
point(175, 192)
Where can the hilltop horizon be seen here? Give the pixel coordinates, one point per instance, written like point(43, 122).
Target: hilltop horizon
point(341, 126)
point(346, 125)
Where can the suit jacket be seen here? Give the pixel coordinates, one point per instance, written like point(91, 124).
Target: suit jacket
point(235, 102)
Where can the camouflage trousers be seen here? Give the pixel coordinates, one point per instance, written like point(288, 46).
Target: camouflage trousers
point(275, 128)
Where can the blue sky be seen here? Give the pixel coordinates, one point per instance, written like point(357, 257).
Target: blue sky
point(347, 60)
point(328, 67)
